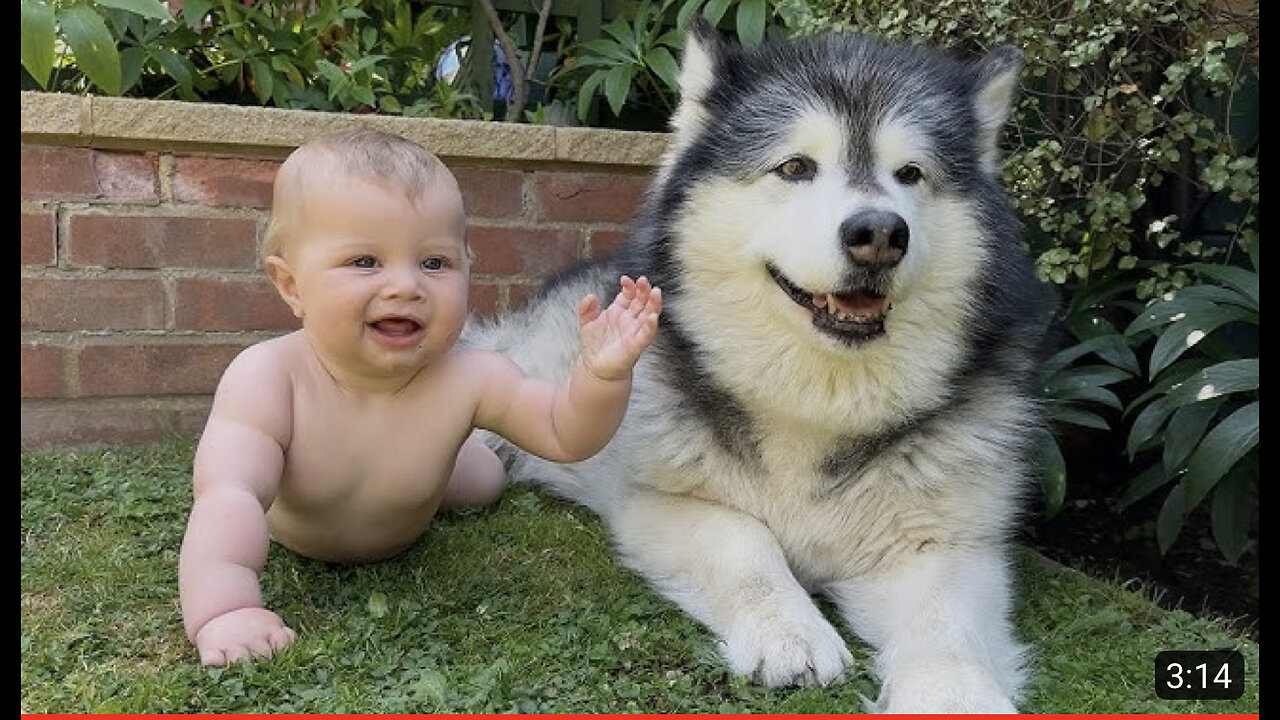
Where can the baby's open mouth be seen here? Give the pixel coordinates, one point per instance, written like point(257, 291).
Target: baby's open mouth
point(850, 315)
point(396, 327)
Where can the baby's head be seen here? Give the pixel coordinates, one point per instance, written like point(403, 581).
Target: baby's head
point(360, 152)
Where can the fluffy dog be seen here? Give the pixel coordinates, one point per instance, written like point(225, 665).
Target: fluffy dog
point(839, 399)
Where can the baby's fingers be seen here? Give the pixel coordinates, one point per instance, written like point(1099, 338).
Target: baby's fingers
point(588, 309)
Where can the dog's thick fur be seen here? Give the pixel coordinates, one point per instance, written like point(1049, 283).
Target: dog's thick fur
point(838, 398)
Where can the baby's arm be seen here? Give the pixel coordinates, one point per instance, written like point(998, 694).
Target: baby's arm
point(236, 472)
point(573, 421)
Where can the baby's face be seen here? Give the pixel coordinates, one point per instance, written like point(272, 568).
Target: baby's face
point(382, 279)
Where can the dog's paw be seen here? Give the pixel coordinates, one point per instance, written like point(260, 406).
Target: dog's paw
point(943, 688)
point(780, 649)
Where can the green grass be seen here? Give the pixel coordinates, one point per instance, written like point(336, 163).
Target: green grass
point(517, 608)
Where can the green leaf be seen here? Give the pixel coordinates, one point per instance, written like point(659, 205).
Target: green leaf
point(193, 11)
point(1223, 378)
point(1215, 294)
point(715, 10)
point(1075, 416)
point(664, 65)
point(1231, 511)
point(366, 62)
point(1162, 312)
point(1084, 376)
point(587, 93)
point(1143, 484)
point(1098, 292)
point(617, 83)
point(607, 48)
point(263, 80)
point(94, 47)
point(1183, 334)
point(131, 61)
point(1089, 393)
point(686, 11)
point(1147, 424)
point(1066, 356)
point(1169, 522)
point(38, 29)
point(153, 9)
point(1053, 472)
point(1238, 279)
point(750, 19)
point(1186, 428)
point(1221, 448)
point(1174, 375)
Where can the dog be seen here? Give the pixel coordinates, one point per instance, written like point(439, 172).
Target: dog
point(840, 398)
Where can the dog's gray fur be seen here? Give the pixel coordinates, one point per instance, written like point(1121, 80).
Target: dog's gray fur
point(772, 449)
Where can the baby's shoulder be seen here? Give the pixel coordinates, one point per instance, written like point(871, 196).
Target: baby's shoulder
point(275, 358)
point(478, 364)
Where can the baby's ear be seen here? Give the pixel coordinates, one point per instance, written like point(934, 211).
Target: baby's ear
point(282, 277)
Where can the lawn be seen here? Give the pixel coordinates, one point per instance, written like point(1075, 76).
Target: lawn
point(517, 608)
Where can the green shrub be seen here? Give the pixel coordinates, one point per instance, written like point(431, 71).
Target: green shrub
point(1132, 158)
point(332, 55)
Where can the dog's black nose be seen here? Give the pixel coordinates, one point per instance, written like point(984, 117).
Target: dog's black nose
point(875, 238)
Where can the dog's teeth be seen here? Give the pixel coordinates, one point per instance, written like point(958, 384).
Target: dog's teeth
point(831, 302)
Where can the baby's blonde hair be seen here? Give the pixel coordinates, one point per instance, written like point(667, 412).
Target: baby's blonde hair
point(362, 151)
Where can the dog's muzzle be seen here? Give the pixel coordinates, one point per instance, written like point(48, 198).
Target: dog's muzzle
point(876, 242)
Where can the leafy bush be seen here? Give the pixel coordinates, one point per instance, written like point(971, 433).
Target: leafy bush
point(1132, 158)
point(1201, 410)
point(333, 55)
point(634, 65)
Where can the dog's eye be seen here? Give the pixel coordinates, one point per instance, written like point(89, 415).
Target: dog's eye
point(797, 168)
point(908, 174)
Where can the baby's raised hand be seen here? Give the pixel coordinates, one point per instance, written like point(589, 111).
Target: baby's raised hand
point(242, 635)
point(612, 340)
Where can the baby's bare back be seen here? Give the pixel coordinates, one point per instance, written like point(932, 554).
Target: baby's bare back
point(364, 474)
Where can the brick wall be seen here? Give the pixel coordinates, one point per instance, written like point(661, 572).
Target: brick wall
point(140, 278)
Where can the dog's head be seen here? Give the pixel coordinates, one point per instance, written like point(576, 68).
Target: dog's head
point(833, 181)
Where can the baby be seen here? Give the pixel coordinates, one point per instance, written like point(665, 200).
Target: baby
point(341, 440)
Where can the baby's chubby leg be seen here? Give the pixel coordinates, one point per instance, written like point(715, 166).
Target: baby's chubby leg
point(478, 476)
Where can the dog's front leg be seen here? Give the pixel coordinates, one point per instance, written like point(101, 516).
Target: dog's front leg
point(725, 569)
point(939, 621)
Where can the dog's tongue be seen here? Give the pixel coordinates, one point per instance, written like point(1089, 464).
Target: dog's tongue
point(858, 303)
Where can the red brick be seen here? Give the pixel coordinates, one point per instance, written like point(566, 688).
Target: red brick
point(110, 422)
point(36, 235)
point(519, 293)
point(522, 251)
point(167, 369)
point(42, 371)
point(603, 243)
point(154, 241)
point(230, 304)
point(58, 172)
point(223, 182)
point(484, 299)
point(127, 177)
point(589, 197)
point(92, 304)
point(491, 193)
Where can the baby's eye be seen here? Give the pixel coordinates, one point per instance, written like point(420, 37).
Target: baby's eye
point(434, 263)
point(365, 262)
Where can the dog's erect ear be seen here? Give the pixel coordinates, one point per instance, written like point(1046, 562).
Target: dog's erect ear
point(996, 82)
point(703, 51)
point(703, 47)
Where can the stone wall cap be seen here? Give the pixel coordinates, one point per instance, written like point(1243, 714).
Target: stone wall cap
point(266, 132)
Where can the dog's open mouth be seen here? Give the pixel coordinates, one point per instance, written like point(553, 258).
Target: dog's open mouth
point(849, 315)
